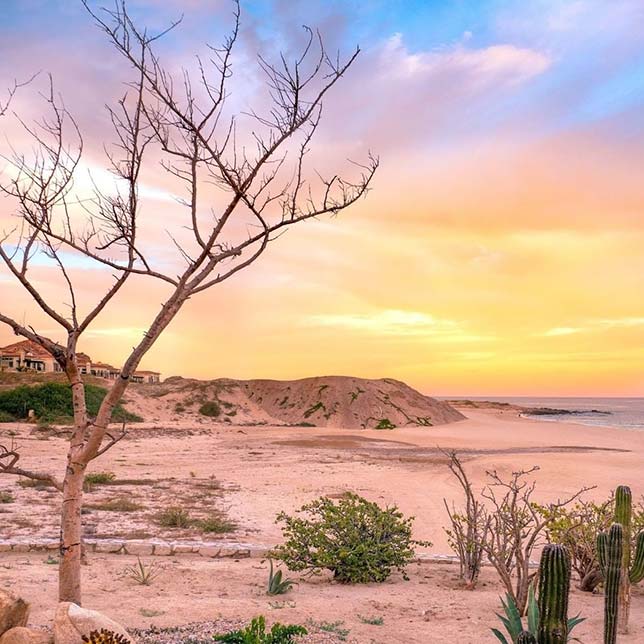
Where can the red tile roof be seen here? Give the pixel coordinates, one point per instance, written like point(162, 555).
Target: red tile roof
point(28, 347)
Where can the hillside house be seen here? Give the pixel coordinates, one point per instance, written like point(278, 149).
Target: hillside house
point(29, 356)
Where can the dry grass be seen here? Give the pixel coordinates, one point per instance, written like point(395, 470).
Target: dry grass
point(115, 505)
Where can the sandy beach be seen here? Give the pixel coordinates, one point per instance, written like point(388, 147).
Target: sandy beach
point(252, 473)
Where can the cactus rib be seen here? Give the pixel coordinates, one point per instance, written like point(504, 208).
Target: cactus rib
point(554, 586)
point(613, 545)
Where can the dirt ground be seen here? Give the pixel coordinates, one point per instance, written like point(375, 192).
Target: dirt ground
point(251, 473)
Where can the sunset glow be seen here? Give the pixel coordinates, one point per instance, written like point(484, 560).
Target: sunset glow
point(499, 251)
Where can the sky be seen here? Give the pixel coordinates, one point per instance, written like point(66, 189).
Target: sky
point(499, 251)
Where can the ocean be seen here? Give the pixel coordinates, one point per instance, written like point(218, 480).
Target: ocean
point(627, 413)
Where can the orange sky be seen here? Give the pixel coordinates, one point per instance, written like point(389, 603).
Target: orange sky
point(499, 252)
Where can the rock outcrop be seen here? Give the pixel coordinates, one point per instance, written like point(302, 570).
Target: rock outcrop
point(71, 622)
point(13, 611)
point(23, 635)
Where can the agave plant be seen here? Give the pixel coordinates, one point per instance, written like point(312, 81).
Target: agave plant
point(277, 585)
point(514, 624)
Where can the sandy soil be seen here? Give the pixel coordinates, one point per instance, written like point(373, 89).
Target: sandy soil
point(262, 470)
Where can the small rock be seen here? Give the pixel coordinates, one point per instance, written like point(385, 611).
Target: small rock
point(22, 635)
point(71, 622)
point(13, 611)
point(163, 549)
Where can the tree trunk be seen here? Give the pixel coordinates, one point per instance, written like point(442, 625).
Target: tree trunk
point(69, 579)
point(71, 529)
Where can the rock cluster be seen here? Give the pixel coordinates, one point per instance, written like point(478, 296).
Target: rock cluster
point(71, 623)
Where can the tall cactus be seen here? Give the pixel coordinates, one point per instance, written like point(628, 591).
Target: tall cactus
point(610, 548)
point(554, 586)
point(632, 564)
point(623, 509)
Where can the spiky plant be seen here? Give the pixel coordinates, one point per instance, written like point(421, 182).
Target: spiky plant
point(610, 548)
point(554, 586)
point(105, 637)
point(632, 564)
point(277, 585)
point(514, 625)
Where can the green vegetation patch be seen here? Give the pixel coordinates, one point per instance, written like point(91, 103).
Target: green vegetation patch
point(210, 408)
point(385, 423)
point(52, 403)
point(311, 410)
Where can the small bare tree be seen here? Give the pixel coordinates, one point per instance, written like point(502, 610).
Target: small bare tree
point(267, 187)
point(469, 526)
point(516, 528)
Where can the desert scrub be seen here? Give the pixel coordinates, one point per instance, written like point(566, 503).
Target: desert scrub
point(115, 505)
point(216, 523)
point(173, 517)
point(210, 409)
point(6, 497)
point(385, 423)
point(6, 418)
point(255, 633)
point(357, 540)
point(97, 478)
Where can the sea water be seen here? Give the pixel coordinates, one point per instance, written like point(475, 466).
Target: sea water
point(627, 413)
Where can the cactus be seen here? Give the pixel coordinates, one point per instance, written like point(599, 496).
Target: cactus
point(632, 564)
point(105, 637)
point(636, 573)
point(610, 548)
point(554, 586)
point(526, 637)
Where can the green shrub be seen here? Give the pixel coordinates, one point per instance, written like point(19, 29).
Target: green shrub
point(216, 523)
point(353, 538)
point(52, 403)
point(115, 505)
point(99, 478)
point(385, 423)
point(210, 408)
point(255, 633)
point(6, 497)
point(5, 417)
point(173, 517)
point(577, 527)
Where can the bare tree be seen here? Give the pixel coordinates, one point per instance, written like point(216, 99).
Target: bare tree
point(469, 527)
point(516, 528)
point(267, 187)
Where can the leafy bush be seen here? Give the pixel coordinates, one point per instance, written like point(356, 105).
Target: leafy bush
point(385, 423)
point(52, 403)
point(210, 408)
point(255, 633)
point(353, 538)
point(6, 417)
point(577, 527)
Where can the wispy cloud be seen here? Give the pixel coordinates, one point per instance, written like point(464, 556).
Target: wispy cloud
point(396, 322)
point(595, 325)
point(562, 330)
